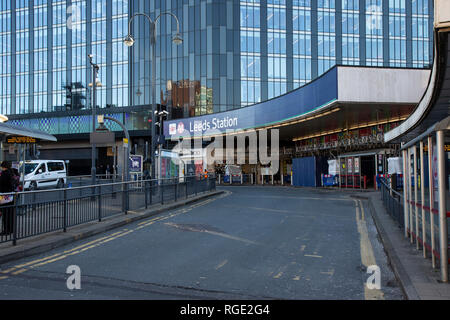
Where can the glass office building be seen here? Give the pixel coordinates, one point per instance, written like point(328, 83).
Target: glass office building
point(234, 53)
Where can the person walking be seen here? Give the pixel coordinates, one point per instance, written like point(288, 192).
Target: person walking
point(6, 208)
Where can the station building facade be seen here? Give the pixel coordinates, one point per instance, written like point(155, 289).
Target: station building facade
point(234, 54)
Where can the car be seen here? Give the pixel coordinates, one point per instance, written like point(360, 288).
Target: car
point(44, 174)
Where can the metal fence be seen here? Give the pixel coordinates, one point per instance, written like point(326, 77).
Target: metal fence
point(36, 212)
point(393, 202)
point(423, 225)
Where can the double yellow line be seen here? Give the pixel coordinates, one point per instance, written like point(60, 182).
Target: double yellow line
point(367, 254)
point(18, 269)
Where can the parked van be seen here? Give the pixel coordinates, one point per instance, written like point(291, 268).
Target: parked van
point(44, 174)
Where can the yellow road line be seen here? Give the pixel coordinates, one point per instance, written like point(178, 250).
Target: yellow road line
point(367, 254)
point(58, 254)
point(18, 269)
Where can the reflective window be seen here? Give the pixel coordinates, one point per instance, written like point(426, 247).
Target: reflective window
point(421, 34)
point(374, 32)
point(350, 32)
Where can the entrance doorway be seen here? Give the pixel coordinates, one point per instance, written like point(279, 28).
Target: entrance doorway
point(368, 170)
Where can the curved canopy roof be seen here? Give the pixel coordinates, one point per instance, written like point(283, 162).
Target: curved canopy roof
point(9, 129)
point(435, 103)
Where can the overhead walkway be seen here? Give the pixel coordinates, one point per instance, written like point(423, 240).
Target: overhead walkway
point(425, 138)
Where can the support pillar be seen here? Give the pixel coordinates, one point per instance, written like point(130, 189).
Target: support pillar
point(405, 192)
point(416, 209)
point(443, 241)
point(422, 200)
point(431, 190)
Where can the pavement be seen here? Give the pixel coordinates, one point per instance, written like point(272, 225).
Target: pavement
point(48, 241)
point(417, 278)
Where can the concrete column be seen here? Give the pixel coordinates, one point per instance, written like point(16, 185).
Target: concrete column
point(443, 232)
point(411, 224)
point(422, 199)
point(416, 209)
point(431, 187)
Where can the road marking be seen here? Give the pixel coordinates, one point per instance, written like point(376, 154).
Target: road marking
point(59, 254)
point(220, 265)
point(302, 248)
point(220, 234)
point(278, 276)
point(298, 198)
point(18, 269)
point(367, 254)
point(329, 272)
point(296, 278)
point(313, 256)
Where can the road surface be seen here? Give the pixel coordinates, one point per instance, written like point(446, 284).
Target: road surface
point(249, 243)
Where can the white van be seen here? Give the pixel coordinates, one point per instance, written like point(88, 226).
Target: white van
point(44, 174)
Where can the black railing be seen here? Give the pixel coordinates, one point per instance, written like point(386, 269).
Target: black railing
point(393, 201)
point(36, 212)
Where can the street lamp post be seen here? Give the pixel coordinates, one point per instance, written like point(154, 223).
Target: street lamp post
point(94, 84)
point(129, 41)
point(161, 116)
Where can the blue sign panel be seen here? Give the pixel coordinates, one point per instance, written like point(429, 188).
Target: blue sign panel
point(306, 99)
point(135, 164)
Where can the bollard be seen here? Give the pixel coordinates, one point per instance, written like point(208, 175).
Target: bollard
point(65, 211)
point(145, 194)
point(176, 191)
point(242, 179)
point(14, 220)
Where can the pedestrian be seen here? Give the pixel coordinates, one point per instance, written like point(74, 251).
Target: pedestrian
point(6, 201)
point(146, 175)
point(16, 180)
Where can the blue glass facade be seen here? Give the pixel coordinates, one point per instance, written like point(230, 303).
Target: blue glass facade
point(234, 53)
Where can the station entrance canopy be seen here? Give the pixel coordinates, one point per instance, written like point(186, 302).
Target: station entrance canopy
point(23, 135)
point(342, 99)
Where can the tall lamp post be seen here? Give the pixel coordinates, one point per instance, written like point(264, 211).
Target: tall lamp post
point(94, 84)
point(161, 115)
point(129, 41)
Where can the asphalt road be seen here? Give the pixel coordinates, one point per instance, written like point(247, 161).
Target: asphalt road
point(249, 243)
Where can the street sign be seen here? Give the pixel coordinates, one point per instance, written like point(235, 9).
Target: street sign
point(136, 164)
point(21, 140)
point(102, 137)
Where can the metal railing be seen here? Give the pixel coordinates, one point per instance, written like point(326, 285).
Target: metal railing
point(33, 213)
point(393, 202)
point(423, 224)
